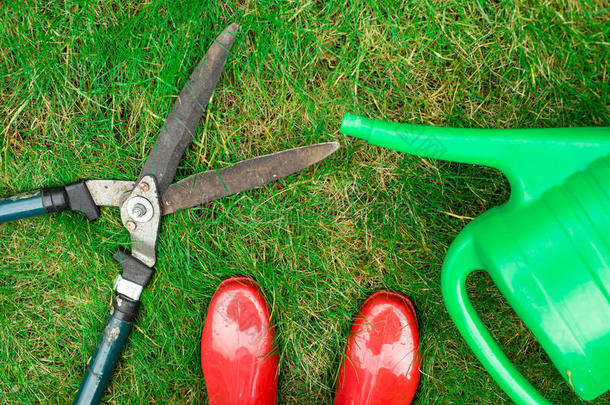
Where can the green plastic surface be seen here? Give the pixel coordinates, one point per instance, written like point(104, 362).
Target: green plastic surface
point(547, 249)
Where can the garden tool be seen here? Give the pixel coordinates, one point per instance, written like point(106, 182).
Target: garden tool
point(547, 248)
point(144, 202)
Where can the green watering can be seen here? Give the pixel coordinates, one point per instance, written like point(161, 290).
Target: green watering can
point(547, 249)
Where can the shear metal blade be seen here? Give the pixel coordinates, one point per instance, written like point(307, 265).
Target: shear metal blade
point(248, 174)
point(109, 193)
point(181, 123)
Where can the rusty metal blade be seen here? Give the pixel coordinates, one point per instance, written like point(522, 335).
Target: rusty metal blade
point(181, 123)
point(109, 193)
point(248, 174)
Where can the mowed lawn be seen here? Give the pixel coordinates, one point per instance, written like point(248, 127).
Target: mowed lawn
point(84, 90)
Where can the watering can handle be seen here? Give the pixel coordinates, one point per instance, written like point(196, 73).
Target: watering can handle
point(462, 260)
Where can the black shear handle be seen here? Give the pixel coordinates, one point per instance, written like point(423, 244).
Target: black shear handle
point(104, 360)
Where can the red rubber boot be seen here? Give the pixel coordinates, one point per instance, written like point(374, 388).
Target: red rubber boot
point(381, 364)
point(238, 357)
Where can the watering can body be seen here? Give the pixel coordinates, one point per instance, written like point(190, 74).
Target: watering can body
point(550, 260)
point(547, 249)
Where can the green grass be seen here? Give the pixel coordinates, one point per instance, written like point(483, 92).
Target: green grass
point(84, 89)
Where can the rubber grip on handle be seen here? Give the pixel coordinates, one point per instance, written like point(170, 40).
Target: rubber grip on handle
point(462, 260)
point(104, 360)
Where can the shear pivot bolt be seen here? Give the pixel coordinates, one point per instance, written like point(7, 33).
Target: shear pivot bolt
point(140, 209)
point(144, 186)
point(130, 225)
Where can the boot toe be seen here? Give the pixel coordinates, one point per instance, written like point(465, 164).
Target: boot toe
point(237, 352)
point(381, 364)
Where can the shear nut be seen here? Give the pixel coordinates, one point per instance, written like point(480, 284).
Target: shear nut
point(140, 209)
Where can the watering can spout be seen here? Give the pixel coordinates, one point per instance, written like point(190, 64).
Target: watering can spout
point(453, 144)
point(533, 160)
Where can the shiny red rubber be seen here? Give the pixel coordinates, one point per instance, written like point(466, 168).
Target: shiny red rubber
point(238, 356)
point(381, 364)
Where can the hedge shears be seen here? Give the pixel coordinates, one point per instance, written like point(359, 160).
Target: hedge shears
point(145, 201)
